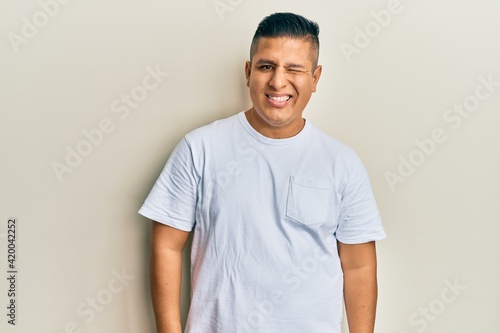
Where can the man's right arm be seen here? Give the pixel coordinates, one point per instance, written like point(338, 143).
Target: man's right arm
point(167, 244)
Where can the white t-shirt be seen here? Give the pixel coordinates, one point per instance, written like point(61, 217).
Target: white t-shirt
point(266, 215)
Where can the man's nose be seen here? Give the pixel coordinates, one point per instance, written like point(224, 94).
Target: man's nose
point(279, 79)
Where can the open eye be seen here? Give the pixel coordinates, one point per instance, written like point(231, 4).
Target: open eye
point(266, 67)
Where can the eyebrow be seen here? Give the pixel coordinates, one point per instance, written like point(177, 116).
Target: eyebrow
point(270, 62)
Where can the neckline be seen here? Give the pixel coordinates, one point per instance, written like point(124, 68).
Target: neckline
point(270, 141)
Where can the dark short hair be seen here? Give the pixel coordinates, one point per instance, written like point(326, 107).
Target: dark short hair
point(287, 25)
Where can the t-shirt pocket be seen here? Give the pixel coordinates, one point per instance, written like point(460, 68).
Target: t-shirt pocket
point(309, 200)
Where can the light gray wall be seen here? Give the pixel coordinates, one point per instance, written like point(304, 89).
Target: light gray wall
point(78, 227)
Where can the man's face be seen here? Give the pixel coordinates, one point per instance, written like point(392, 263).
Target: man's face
point(281, 81)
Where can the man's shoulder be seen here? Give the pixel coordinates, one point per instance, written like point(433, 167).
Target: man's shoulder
point(330, 143)
point(214, 130)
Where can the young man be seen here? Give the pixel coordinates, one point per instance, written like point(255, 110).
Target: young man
point(283, 216)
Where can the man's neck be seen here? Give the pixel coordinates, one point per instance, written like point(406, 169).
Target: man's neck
point(274, 132)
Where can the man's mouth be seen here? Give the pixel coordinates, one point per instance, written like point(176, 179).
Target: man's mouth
point(279, 99)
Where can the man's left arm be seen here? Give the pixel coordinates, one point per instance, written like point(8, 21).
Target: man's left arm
point(359, 264)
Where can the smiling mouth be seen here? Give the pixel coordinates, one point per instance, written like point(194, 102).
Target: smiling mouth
point(279, 99)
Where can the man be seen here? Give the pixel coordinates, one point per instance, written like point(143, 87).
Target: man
point(283, 216)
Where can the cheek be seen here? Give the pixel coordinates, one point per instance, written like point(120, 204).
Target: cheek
point(304, 87)
point(256, 85)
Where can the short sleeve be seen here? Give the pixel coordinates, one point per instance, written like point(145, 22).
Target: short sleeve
point(359, 220)
point(173, 198)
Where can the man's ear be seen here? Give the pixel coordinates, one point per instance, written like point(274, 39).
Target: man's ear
point(316, 76)
point(248, 70)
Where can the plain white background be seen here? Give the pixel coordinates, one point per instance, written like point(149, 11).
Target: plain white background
point(386, 85)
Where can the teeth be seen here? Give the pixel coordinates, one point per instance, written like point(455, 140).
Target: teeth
point(280, 99)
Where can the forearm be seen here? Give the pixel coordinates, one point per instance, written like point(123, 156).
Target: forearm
point(165, 275)
point(360, 294)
